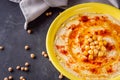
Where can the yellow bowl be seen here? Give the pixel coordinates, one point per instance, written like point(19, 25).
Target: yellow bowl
point(80, 8)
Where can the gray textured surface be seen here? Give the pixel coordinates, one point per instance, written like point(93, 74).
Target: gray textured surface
point(74, 2)
point(13, 37)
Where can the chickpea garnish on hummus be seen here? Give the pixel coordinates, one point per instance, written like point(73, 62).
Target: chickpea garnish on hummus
point(88, 46)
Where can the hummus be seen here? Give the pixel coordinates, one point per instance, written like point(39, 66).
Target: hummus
point(88, 46)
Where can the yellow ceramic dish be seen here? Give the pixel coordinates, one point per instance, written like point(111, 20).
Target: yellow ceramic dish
point(81, 8)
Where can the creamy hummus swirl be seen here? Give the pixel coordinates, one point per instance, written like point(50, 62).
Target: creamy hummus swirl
point(88, 46)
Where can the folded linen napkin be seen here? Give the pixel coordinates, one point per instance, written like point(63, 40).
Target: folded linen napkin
point(33, 8)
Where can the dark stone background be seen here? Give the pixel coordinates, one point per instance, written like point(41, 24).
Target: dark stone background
point(13, 37)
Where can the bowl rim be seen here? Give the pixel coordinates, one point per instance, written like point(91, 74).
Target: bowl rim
point(84, 7)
